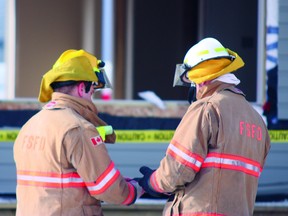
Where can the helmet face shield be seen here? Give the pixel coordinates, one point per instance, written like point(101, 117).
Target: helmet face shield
point(180, 78)
point(103, 80)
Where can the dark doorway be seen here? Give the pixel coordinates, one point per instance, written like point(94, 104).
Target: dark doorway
point(165, 30)
point(234, 23)
point(163, 33)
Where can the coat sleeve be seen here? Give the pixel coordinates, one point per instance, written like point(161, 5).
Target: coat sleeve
point(267, 146)
point(90, 158)
point(187, 149)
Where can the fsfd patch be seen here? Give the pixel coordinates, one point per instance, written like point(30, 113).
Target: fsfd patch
point(96, 140)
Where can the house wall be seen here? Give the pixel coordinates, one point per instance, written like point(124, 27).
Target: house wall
point(44, 29)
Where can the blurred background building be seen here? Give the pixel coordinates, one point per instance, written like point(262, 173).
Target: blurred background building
point(141, 41)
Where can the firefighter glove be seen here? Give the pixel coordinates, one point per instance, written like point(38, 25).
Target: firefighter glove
point(144, 182)
point(138, 189)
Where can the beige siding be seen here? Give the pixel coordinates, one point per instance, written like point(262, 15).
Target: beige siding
point(44, 30)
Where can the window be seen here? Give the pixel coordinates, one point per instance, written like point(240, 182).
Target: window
point(2, 34)
point(7, 49)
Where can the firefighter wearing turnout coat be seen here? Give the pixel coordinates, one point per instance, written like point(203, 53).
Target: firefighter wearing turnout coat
point(63, 167)
point(214, 160)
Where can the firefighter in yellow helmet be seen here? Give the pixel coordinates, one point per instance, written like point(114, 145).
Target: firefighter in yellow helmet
point(63, 167)
point(214, 160)
point(71, 67)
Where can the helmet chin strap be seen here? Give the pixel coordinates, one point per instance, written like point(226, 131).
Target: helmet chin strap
point(87, 86)
point(192, 94)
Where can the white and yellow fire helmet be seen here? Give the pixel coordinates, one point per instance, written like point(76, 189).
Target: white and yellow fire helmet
point(206, 60)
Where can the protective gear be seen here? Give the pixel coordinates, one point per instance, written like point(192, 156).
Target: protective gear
point(68, 171)
point(205, 61)
point(75, 69)
point(104, 131)
point(208, 163)
point(228, 78)
point(179, 76)
point(208, 48)
point(192, 93)
point(138, 188)
point(74, 65)
point(181, 80)
point(70, 54)
point(98, 66)
point(214, 68)
point(144, 182)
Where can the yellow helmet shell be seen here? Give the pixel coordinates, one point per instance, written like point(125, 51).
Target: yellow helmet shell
point(71, 53)
point(70, 66)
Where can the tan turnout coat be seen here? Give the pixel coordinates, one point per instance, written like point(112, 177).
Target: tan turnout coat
point(63, 167)
point(214, 161)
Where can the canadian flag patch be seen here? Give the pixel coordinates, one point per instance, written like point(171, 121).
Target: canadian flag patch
point(96, 140)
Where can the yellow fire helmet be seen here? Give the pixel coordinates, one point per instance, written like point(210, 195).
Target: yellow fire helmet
point(205, 61)
point(69, 54)
point(74, 65)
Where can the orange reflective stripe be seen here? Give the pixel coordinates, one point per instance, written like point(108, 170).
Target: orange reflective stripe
point(49, 179)
point(184, 156)
point(107, 178)
point(131, 196)
point(154, 183)
point(68, 180)
point(198, 214)
point(233, 162)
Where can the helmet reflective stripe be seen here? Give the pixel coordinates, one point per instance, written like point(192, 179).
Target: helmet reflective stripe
point(204, 52)
point(220, 49)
